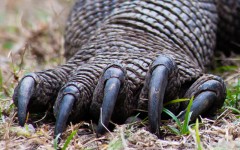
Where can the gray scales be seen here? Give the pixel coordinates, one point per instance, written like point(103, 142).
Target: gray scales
point(124, 56)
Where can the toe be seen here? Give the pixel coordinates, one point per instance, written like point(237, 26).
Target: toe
point(22, 95)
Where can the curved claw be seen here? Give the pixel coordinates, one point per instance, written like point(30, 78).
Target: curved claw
point(63, 114)
point(209, 93)
point(158, 84)
point(110, 96)
point(23, 96)
point(200, 104)
point(63, 107)
point(114, 77)
point(162, 67)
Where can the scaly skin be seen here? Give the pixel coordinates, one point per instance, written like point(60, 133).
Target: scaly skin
point(129, 55)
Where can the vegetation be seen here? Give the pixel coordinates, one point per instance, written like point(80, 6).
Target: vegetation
point(182, 127)
point(232, 101)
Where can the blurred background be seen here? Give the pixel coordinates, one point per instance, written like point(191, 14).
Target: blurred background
point(31, 33)
point(31, 39)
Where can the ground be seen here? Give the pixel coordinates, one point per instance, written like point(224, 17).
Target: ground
point(31, 39)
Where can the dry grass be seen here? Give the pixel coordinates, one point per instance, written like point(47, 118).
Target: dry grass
point(31, 37)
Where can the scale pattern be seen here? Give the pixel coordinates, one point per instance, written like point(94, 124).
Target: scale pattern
point(131, 35)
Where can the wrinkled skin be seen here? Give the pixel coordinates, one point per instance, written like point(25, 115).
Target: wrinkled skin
point(129, 55)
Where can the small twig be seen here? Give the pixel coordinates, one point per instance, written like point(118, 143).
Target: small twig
point(27, 117)
point(233, 76)
point(102, 122)
point(94, 140)
point(123, 139)
point(72, 127)
point(221, 116)
point(140, 110)
point(92, 127)
point(42, 117)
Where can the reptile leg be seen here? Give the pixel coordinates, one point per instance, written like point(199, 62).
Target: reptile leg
point(209, 92)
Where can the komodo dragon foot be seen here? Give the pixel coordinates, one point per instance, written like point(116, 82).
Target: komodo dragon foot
point(125, 56)
point(118, 89)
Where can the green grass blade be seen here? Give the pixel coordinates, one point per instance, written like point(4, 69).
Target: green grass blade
point(69, 138)
point(237, 95)
point(176, 101)
point(55, 142)
point(198, 140)
point(0, 113)
point(1, 81)
point(174, 117)
point(223, 69)
point(115, 144)
point(174, 130)
point(235, 110)
point(187, 117)
point(233, 96)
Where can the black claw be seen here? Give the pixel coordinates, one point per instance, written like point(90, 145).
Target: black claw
point(111, 90)
point(158, 84)
point(63, 114)
point(110, 96)
point(201, 103)
point(24, 94)
point(162, 68)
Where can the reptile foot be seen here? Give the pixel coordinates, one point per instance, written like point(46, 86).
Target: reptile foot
point(125, 56)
